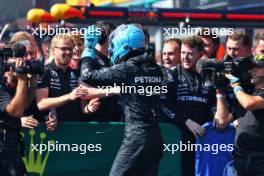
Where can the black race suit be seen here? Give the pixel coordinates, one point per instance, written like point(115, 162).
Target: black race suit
point(188, 99)
point(110, 108)
point(141, 148)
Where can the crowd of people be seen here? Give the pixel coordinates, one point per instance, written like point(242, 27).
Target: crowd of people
point(68, 90)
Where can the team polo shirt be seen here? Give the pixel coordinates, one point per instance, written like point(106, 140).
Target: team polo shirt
point(59, 83)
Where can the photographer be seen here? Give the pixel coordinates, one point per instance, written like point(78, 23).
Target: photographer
point(238, 49)
point(238, 45)
point(249, 149)
point(32, 115)
point(13, 100)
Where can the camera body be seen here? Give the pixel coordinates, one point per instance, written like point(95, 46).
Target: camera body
point(213, 71)
point(30, 66)
point(236, 66)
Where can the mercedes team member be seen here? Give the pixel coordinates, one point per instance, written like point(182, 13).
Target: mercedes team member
point(193, 104)
point(13, 100)
point(141, 149)
point(58, 86)
point(248, 153)
point(110, 109)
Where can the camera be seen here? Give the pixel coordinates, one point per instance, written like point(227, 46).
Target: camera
point(237, 66)
point(213, 71)
point(19, 50)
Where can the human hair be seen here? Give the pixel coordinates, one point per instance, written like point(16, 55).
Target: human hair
point(259, 36)
point(22, 35)
point(77, 36)
point(241, 36)
point(209, 33)
point(173, 40)
point(194, 42)
point(147, 37)
point(106, 28)
point(65, 36)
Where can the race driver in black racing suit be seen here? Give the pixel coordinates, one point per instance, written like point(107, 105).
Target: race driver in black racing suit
point(141, 149)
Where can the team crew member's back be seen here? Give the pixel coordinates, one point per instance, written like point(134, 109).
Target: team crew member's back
point(141, 149)
point(110, 108)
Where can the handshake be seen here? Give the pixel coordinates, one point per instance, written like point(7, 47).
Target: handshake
point(85, 92)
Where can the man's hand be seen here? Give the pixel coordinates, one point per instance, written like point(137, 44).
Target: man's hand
point(234, 81)
point(91, 36)
point(20, 63)
point(78, 93)
point(235, 123)
point(195, 128)
point(90, 40)
point(29, 122)
point(93, 105)
point(52, 122)
point(221, 123)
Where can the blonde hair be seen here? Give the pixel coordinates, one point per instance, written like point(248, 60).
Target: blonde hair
point(58, 37)
point(77, 36)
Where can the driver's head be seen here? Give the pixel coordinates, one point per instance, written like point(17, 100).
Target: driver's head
point(125, 41)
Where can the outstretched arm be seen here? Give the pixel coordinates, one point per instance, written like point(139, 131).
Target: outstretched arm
point(248, 102)
point(93, 92)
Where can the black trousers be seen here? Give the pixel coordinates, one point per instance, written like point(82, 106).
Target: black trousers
point(11, 163)
point(137, 157)
point(188, 157)
point(248, 163)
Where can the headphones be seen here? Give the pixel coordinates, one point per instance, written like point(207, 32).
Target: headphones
point(106, 28)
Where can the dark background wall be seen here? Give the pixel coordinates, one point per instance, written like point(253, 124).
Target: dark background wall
point(13, 9)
